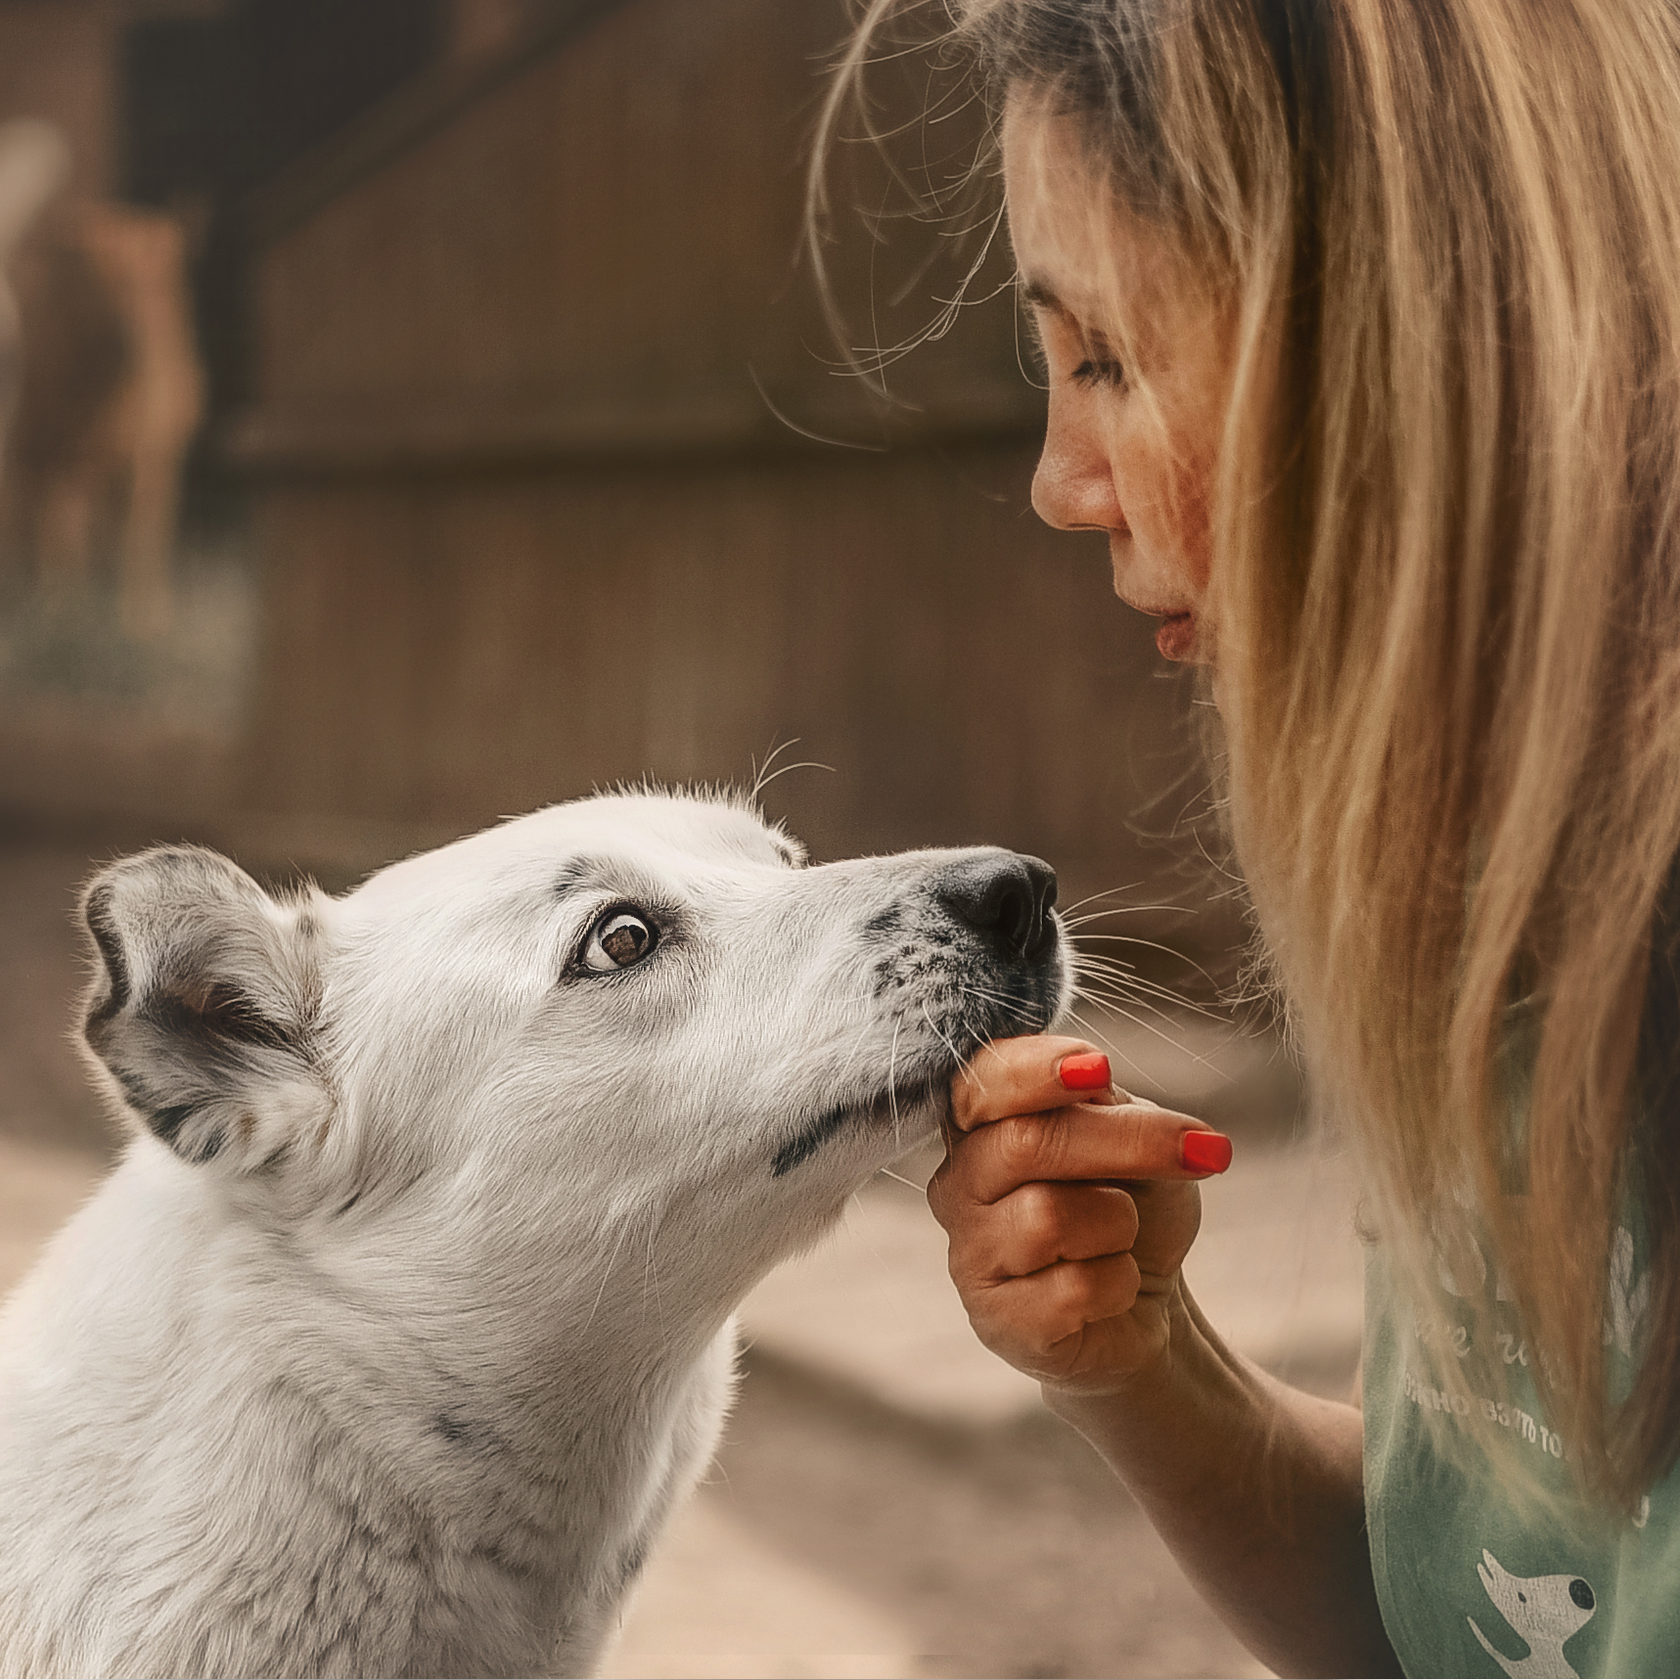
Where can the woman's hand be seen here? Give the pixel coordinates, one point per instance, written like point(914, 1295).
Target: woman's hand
point(1070, 1207)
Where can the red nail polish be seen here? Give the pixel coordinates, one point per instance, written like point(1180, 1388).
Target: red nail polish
point(1205, 1152)
point(1087, 1071)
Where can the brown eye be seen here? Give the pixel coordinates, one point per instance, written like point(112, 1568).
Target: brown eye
point(619, 940)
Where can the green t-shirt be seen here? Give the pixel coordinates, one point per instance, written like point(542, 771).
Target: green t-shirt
point(1471, 1585)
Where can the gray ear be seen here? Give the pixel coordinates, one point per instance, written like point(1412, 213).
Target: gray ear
point(204, 1002)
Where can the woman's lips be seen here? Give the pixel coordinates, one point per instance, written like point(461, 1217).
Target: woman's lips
point(1175, 638)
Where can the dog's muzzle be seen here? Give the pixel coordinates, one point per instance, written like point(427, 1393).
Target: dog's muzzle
point(970, 952)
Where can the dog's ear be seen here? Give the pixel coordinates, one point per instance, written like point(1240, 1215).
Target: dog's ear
point(203, 1009)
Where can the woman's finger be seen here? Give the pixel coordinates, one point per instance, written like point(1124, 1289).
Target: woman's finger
point(1128, 1141)
point(1028, 1076)
point(1042, 1225)
point(1049, 1306)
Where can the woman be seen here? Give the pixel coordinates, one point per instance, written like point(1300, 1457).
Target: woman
point(1361, 321)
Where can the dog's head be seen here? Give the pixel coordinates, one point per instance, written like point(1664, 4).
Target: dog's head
point(632, 996)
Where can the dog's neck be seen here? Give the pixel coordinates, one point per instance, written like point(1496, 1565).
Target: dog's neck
point(556, 1337)
point(425, 1330)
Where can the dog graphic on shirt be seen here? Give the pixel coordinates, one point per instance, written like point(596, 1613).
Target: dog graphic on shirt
point(1544, 1611)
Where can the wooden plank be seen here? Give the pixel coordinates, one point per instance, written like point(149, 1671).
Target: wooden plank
point(729, 416)
point(598, 258)
point(454, 651)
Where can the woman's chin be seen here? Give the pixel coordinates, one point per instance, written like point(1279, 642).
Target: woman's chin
point(1177, 639)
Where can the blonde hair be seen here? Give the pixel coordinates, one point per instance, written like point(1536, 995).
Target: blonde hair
point(1446, 589)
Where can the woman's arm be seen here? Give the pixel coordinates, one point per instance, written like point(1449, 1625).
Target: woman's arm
point(1257, 1489)
point(1069, 1221)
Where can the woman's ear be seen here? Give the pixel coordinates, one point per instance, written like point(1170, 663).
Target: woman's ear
point(203, 1010)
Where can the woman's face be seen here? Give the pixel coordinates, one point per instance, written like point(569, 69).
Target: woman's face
point(1136, 465)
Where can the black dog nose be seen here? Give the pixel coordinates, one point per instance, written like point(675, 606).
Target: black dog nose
point(1005, 896)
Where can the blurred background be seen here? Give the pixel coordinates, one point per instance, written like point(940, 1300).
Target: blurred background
point(417, 411)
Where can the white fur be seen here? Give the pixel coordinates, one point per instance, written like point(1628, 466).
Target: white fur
point(406, 1317)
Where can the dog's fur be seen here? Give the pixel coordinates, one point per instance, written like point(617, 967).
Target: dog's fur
point(406, 1317)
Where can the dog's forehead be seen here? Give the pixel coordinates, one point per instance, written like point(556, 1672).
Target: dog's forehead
point(661, 832)
point(659, 829)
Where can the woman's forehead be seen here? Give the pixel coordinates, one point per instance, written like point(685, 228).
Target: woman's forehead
point(1078, 250)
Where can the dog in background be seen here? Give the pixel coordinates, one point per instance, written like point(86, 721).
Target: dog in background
point(101, 386)
point(406, 1318)
point(34, 167)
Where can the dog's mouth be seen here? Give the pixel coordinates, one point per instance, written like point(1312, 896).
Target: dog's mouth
point(910, 1097)
point(964, 1007)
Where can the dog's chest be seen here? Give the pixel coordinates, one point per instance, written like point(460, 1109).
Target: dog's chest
point(393, 1535)
point(627, 1467)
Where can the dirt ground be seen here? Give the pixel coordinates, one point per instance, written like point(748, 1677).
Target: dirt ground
point(852, 1525)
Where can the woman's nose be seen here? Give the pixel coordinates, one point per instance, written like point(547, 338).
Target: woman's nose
point(1073, 488)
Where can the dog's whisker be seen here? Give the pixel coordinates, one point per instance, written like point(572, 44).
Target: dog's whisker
point(1123, 974)
point(1136, 985)
point(1116, 938)
point(1150, 1027)
point(1083, 943)
point(1166, 1004)
point(892, 1081)
point(650, 1271)
point(1131, 980)
point(1121, 987)
point(1119, 1003)
point(857, 1054)
point(942, 1035)
point(606, 1271)
point(1013, 1009)
point(761, 771)
point(1112, 962)
point(1166, 950)
point(1161, 999)
point(803, 764)
point(1110, 911)
point(1091, 898)
point(899, 1178)
point(1013, 1006)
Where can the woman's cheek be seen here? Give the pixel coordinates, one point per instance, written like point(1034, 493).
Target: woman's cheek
point(1187, 479)
point(1164, 493)
point(1193, 520)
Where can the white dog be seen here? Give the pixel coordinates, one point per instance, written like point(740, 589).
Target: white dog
point(406, 1318)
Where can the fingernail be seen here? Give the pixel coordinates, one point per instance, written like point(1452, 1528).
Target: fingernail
point(1205, 1152)
point(1088, 1071)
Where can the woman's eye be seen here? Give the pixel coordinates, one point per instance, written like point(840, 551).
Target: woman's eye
point(1096, 370)
point(620, 939)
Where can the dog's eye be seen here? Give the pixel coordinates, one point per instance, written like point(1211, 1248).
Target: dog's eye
point(620, 939)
